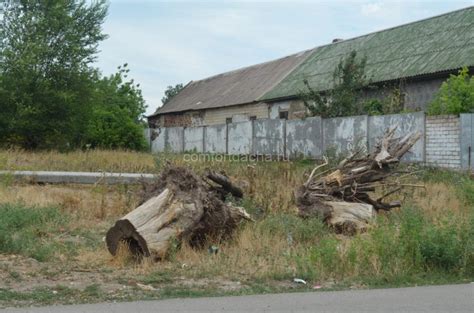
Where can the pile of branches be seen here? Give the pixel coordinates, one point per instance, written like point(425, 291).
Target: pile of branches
point(180, 206)
point(346, 189)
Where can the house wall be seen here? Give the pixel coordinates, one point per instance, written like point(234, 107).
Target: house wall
point(295, 108)
point(416, 94)
point(219, 115)
point(419, 94)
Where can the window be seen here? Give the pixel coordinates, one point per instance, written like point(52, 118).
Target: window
point(284, 115)
point(253, 118)
point(228, 120)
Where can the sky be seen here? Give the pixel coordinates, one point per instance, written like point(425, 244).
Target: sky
point(171, 42)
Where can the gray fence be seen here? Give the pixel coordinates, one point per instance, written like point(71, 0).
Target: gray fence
point(313, 137)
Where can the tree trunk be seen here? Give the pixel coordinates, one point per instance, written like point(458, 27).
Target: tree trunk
point(182, 206)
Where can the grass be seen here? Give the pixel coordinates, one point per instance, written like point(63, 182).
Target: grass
point(429, 240)
point(30, 231)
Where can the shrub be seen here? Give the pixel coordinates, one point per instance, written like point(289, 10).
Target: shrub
point(455, 96)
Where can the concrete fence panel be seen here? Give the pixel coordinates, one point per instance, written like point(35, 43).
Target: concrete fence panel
point(407, 123)
point(193, 139)
point(174, 137)
point(467, 141)
point(158, 144)
point(215, 138)
point(304, 138)
point(269, 137)
point(344, 134)
point(239, 138)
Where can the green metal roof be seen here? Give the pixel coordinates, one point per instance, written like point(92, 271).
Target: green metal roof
point(436, 44)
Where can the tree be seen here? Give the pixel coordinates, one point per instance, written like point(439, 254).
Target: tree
point(456, 95)
point(117, 119)
point(170, 92)
point(344, 99)
point(47, 78)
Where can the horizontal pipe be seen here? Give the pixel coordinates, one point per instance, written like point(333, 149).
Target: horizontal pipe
point(55, 177)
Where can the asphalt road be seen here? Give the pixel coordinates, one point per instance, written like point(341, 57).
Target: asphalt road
point(433, 299)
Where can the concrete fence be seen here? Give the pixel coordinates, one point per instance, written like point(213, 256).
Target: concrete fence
point(447, 141)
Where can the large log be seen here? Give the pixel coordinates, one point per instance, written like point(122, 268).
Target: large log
point(181, 207)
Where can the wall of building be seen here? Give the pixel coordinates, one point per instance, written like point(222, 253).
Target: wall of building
point(295, 109)
point(419, 94)
point(443, 141)
point(219, 115)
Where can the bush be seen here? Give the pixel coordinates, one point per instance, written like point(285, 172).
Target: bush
point(455, 96)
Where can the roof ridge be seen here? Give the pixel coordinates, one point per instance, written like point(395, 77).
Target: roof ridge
point(395, 27)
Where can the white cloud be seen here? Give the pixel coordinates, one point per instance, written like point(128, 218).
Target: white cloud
point(369, 9)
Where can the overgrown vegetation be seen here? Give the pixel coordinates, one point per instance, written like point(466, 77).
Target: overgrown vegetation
point(344, 99)
point(429, 240)
point(350, 93)
point(455, 96)
point(51, 96)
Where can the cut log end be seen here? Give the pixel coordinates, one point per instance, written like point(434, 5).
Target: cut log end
point(124, 231)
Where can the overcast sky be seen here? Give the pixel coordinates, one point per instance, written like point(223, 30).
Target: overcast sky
point(170, 42)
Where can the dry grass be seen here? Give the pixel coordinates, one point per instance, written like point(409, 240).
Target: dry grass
point(85, 203)
point(86, 161)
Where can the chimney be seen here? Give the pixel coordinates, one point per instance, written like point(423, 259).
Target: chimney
point(337, 40)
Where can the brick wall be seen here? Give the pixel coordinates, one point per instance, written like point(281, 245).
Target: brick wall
point(443, 141)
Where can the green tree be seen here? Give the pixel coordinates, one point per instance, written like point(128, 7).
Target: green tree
point(344, 99)
point(117, 119)
point(47, 81)
point(170, 92)
point(456, 95)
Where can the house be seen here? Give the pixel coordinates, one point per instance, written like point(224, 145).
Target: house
point(415, 58)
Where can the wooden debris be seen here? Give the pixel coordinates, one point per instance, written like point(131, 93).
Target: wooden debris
point(341, 196)
point(180, 206)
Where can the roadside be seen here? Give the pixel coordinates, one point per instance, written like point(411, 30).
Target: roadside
point(433, 299)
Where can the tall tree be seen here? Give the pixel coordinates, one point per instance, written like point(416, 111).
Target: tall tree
point(170, 92)
point(47, 78)
point(118, 113)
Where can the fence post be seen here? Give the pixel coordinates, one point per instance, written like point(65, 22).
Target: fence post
point(252, 138)
point(284, 140)
point(183, 140)
point(204, 135)
point(227, 138)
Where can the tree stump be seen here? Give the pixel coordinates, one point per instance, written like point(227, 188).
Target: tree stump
point(180, 206)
